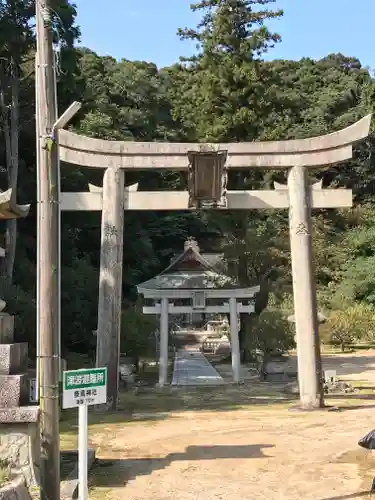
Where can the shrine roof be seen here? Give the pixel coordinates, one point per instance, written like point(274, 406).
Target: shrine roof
point(190, 270)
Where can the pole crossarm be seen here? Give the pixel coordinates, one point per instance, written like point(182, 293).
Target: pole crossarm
point(316, 151)
point(179, 200)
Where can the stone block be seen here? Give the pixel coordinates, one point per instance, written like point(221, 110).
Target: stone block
point(13, 358)
point(20, 447)
point(280, 367)
point(14, 390)
point(15, 490)
point(292, 388)
point(6, 328)
point(22, 415)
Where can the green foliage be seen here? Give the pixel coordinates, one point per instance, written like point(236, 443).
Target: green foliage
point(137, 333)
point(354, 279)
point(358, 282)
point(79, 292)
point(350, 325)
point(272, 333)
point(255, 249)
point(227, 91)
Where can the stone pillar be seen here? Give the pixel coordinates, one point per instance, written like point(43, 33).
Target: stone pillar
point(110, 279)
point(19, 423)
point(235, 342)
point(304, 291)
point(163, 361)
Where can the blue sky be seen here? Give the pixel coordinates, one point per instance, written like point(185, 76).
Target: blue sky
point(146, 29)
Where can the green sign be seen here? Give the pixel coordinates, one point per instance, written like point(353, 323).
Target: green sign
point(85, 379)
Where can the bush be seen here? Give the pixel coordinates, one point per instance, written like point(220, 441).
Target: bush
point(273, 333)
point(137, 334)
point(350, 325)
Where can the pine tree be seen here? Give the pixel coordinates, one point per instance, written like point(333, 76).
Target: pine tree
point(234, 28)
point(228, 93)
point(227, 90)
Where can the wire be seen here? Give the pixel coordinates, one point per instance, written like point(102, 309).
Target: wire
point(51, 17)
point(46, 14)
point(57, 61)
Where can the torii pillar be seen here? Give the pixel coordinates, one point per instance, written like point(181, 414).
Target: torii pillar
point(304, 289)
point(110, 279)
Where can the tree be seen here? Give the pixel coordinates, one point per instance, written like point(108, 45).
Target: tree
point(354, 278)
point(137, 334)
point(272, 333)
point(17, 48)
point(350, 325)
point(16, 40)
point(228, 90)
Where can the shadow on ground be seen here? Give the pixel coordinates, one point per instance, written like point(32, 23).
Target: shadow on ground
point(351, 397)
point(117, 472)
point(349, 364)
point(353, 496)
point(356, 407)
point(150, 405)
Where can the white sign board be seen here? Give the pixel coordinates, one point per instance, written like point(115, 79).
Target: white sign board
point(84, 387)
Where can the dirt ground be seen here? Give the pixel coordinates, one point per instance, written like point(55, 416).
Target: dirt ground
point(248, 449)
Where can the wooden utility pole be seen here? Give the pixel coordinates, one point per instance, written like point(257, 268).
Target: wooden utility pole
point(48, 257)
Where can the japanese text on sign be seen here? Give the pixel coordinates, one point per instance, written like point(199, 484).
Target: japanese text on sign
point(85, 380)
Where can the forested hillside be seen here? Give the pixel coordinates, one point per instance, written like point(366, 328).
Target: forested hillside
point(227, 92)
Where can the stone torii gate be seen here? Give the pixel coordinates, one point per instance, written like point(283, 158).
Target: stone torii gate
point(207, 166)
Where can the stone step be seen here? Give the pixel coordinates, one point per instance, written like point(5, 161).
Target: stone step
point(13, 358)
point(6, 328)
point(14, 390)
